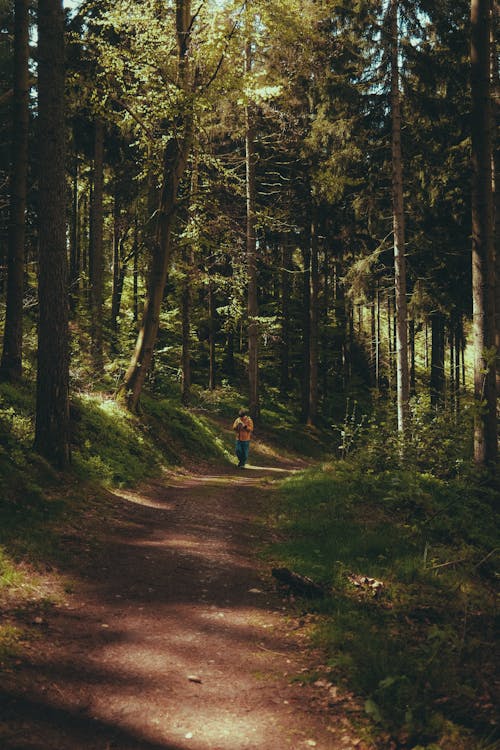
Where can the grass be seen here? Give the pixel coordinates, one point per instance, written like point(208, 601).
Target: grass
point(419, 653)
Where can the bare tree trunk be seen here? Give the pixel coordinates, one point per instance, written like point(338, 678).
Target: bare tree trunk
point(211, 337)
point(96, 270)
point(437, 359)
point(117, 268)
point(313, 326)
point(174, 165)
point(286, 261)
point(483, 252)
point(186, 333)
point(52, 435)
point(495, 167)
point(399, 232)
point(11, 363)
point(74, 253)
point(251, 242)
point(377, 334)
point(306, 328)
point(135, 252)
point(413, 381)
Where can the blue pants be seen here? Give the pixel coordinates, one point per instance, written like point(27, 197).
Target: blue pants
point(242, 450)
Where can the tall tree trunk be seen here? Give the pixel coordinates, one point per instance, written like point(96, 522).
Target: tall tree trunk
point(175, 159)
point(135, 253)
point(306, 328)
point(437, 379)
point(117, 266)
point(286, 261)
point(313, 326)
point(211, 337)
point(52, 438)
point(96, 270)
point(483, 253)
point(11, 363)
point(186, 327)
point(411, 333)
point(495, 119)
point(251, 243)
point(74, 250)
point(402, 378)
point(373, 344)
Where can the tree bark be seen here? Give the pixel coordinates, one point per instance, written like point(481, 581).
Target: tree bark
point(312, 411)
point(52, 438)
point(212, 366)
point(306, 328)
point(251, 247)
point(402, 377)
point(11, 363)
point(96, 269)
point(175, 159)
point(483, 253)
point(437, 359)
point(74, 252)
point(286, 261)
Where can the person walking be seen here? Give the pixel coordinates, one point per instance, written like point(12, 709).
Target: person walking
point(243, 427)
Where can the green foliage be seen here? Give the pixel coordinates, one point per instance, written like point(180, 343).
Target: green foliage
point(182, 433)
point(10, 638)
point(413, 651)
point(112, 446)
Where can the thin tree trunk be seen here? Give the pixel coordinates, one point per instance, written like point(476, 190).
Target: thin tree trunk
point(96, 255)
point(211, 337)
point(437, 359)
point(117, 269)
point(399, 233)
point(74, 254)
point(52, 434)
point(11, 363)
point(286, 261)
point(251, 243)
point(377, 340)
point(313, 326)
point(373, 345)
point(306, 328)
point(413, 382)
point(483, 253)
point(174, 165)
point(135, 282)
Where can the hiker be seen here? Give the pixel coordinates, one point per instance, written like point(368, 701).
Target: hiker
point(243, 427)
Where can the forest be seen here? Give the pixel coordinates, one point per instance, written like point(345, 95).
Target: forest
point(285, 205)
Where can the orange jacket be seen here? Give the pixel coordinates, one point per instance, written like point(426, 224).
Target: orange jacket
point(243, 426)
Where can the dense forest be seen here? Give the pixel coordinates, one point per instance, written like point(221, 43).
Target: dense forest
point(288, 193)
point(286, 204)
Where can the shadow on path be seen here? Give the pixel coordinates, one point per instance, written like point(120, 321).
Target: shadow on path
point(173, 639)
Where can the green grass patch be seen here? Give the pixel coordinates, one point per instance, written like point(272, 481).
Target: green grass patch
point(420, 651)
point(10, 643)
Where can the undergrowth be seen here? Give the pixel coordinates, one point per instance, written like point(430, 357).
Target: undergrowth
point(419, 649)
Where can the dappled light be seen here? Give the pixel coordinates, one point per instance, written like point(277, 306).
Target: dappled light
point(176, 640)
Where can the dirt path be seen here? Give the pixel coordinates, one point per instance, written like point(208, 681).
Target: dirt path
point(171, 638)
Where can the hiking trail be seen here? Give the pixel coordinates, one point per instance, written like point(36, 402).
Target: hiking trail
point(174, 635)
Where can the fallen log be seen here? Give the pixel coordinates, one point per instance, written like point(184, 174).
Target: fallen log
point(297, 584)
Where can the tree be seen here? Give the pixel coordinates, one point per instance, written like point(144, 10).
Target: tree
point(399, 228)
point(175, 159)
point(96, 251)
point(483, 254)
point(52, 437)
point(251, 248)
point(11, 364)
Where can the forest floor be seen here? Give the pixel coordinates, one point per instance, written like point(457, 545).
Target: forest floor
point(172, 634)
